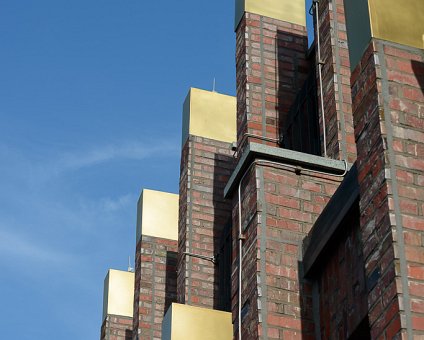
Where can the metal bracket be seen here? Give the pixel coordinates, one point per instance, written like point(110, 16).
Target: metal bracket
point(213, 259)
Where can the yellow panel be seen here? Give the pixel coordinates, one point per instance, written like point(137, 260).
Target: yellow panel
point(118, 295)
point(183, 322)
point(398, 21)
point(211, 115)
point(292, 11)
point(157, 215)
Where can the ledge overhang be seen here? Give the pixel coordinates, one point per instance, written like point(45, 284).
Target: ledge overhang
point(255, 151)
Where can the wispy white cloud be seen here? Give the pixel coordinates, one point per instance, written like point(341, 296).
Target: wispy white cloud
point(16, 247)
point(111, 205)
point(119, 151)
point(56, 215)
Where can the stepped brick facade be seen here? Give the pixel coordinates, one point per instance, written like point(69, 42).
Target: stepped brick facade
point(293, 221)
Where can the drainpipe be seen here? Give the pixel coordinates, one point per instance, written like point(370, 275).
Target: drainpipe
point(315, 5)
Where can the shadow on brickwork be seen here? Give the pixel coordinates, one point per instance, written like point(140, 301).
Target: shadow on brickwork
point(222, 238)
point(297, 104)
point(418, 68)
point(333, 293)
point(128, 334)
point(170, 279)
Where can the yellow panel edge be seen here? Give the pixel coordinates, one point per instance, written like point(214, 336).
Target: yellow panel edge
point(184, 322)
point(292, 11)
point(118, 297)
point(401, 22)
point(157, 214)
point(211, 115)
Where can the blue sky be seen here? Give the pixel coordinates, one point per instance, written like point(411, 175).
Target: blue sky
point(90, 108)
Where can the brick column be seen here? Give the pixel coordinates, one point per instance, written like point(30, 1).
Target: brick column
point(279, 205)
point(155, 262)
point(388, 103)
point(116, 327)
point(271, 66)
point(336, 80)
point(155, 284)
point(206, 164)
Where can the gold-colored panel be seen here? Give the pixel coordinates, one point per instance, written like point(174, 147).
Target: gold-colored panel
point(118, 294)
point(292, 11)
point(211, 115)
point(398, 21)
point(183, 322)
point(157, 215)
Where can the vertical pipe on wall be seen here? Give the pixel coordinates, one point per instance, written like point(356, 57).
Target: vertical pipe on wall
point(320, 63)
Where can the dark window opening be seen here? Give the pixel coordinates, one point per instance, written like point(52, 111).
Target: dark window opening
point(224, 270)
point(301, 130)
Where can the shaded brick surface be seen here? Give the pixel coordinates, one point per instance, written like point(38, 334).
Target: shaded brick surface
point(155, 285)
point(271, 67)
point(342, 290)
point(336, 80)
point(388, 102)
point(116, 327)
point(206, 166)
point(279, 208)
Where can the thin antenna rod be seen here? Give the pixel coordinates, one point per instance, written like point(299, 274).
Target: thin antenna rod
point(213, 87)
point(130, 269)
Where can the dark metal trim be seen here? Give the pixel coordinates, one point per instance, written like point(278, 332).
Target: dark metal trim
point(330, 220)
point(284, 156)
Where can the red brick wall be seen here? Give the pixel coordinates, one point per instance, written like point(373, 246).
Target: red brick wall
point(336, 81)
point(271, 67)
point(155, 285)
point(388, 102)
point(206, 166)
point(343, 303)
point(116, 327)
point(249, 275)
point(279, 208)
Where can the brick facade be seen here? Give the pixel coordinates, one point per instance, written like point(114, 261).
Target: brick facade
point(155, 285)
point(336, 80)
point(117, 327)
point(341, 282)
point(279, 208)
point(388, 101)
point(206, 165)
point(271, 67)
point(326, 253)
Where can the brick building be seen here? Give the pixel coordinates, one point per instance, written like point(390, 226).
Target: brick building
point(300, 213)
